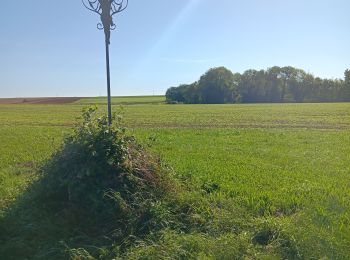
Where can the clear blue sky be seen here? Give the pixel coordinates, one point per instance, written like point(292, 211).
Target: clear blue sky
point(52, 48)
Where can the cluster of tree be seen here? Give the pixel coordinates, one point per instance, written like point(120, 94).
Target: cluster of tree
point(276, 84)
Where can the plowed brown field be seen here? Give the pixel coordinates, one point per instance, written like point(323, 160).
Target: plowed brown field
point(47, 100)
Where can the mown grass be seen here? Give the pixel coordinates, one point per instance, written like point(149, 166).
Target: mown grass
point(263, 180)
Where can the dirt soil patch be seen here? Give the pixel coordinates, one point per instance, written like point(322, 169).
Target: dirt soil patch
point(47, 100)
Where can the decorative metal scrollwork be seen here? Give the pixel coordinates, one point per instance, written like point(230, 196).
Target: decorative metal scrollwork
point(106, 9)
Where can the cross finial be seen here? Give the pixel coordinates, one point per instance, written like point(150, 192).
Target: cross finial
point(106, 9)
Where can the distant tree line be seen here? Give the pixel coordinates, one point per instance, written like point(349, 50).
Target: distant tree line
point(276, 84)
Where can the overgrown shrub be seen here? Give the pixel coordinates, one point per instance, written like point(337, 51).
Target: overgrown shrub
point(102, 182)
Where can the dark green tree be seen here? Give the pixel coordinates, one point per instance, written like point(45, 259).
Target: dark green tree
point(217, 86)
point(276, 84)
point(176, 94)
point(296, 85)
point(347, 85)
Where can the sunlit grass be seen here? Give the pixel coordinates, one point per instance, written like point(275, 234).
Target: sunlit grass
point(252, 168)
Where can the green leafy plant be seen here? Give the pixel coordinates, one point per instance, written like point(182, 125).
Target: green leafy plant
point(102, 182)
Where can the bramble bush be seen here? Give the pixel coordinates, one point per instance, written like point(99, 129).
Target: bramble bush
point(101, 164)
point(103, 183)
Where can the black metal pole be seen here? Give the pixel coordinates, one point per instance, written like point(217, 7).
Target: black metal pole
point(108, 84)
point(106, 9)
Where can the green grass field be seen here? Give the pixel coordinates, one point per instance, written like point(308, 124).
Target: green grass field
point(278, 174)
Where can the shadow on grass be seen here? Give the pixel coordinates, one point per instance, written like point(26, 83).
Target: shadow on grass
point(64, 215)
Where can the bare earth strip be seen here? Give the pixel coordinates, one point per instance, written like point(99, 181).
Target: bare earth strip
point(46, 100)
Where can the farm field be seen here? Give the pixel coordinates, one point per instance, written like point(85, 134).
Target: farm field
point(267, 180)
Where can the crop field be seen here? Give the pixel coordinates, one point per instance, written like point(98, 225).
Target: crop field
point(268, 181)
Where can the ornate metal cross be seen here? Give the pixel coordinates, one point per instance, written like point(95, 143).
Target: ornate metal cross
point(107, 9)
